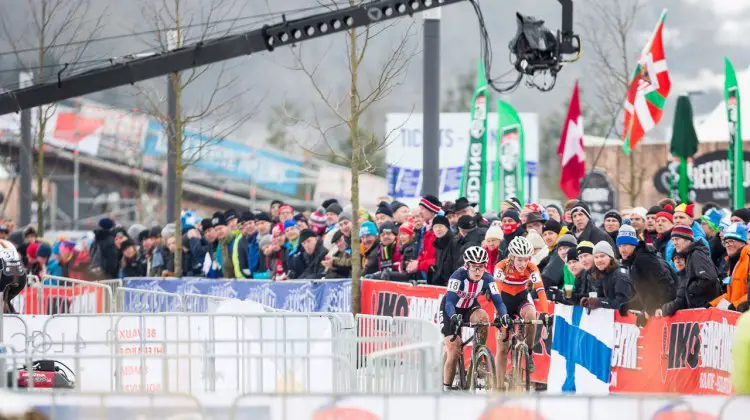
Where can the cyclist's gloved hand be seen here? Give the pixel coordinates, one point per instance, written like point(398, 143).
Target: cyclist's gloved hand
point(456, 323)
point(502, 321)
point(546, 320)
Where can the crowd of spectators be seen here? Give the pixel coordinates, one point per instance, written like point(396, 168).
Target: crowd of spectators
point(657, 260)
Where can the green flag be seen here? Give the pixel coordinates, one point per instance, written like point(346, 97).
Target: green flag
point(736, 155)
point(684, 146)
point(512, 161)
point(474, 176)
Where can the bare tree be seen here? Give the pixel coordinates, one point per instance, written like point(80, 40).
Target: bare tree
point(53, 31)
point(349, 109)
point(610, 31)
point(217, 112)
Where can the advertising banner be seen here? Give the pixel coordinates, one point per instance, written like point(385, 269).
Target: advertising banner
point(404, 153)
point(230, 159)
point(297, 296)
point(474, 179)
point(512, 153)
point(51, 300)
point(710, 173)
point(687, 353)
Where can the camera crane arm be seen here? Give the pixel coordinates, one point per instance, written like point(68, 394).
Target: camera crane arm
point(215, 50)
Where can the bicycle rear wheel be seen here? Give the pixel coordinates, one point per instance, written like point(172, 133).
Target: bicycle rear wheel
point(521, 377)
point(482, 370)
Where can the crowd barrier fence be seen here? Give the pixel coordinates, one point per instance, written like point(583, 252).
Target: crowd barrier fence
point(231, 354)
point(119, 406)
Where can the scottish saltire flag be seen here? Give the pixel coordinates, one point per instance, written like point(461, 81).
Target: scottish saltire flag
point(581, 350)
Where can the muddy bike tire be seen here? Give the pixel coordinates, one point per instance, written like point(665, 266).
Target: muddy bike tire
point(521, 377)
point(482, 357)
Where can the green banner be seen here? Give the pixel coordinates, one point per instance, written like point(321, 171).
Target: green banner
point(684, 146)
point(732, 99)
point(512, 162)
point(474, 176)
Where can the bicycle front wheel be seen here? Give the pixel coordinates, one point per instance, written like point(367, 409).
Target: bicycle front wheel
point(482, 370)
point(521, 380)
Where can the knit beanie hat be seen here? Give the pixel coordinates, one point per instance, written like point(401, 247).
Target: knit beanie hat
point(536, 241)
point(556, 207)
point(743, 214)
point(640, 211)
point(604, 247)
point(494, 232)
point(736, 231)
point(585, 247)
point(384, 208)
point(683, 231)
point(572, 255)
point(265, 240)
point(513, 214)
point(552, 225)
point(334, 208)
point(713, 217)
point(567, 240)
point(654, 210)
point(614, 214)
point(626, 235)
point(666, 213)
point(441, 220)
point(431, 203)
point(406, 228)
point(688, 209)
point(580, 206)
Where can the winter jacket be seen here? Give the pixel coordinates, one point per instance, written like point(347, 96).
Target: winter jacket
point(718, 252)
point(342, 265)
point(134, 267)
point(408, 253)
point(698, 234)
point(595, 235)
point(649, 237)
point(737, 290)
point(662, 242)
point(552, 274)
point(473, 238)
point(54, 268)
point(308, 266)
point(271, 266)
point(447, 259)
point(614, 288)
point(654, 283)
point(159, 256)
point(104, 254)
point(385, 258)
point(583, 286)
point(245, 255)
point(368, 254)
point(426, 251)
point(700, 284)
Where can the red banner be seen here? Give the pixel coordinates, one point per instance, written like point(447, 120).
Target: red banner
point(50, 300)
point(687, 353)
point(423, 302)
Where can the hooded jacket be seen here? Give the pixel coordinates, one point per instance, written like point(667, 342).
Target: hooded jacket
point(653, 281)
point(739, 267)
point(700, 284)
point(698, 234)
point(614, 288)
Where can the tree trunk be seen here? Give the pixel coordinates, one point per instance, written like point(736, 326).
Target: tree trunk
point(176, 81)
point(633, 189)
point(355, 162)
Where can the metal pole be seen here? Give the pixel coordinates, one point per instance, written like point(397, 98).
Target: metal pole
point(431, 104)
point(76, 169)
point(26, 156)
point(171, 146)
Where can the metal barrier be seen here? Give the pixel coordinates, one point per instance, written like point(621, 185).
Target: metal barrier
point(150, 301)
point(55, 295)
point(237, 353)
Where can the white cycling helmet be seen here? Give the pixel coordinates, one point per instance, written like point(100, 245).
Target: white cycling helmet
point(520, 247)
point(476, 255)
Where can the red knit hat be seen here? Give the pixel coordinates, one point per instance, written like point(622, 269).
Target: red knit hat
point(688, 209)
point(406, 228)
point(683, 231)
point(666, 213)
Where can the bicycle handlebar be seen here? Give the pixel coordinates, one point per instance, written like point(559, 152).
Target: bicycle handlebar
point(494, 324)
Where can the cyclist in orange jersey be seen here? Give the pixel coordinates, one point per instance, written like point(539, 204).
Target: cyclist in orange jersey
point(514, 275)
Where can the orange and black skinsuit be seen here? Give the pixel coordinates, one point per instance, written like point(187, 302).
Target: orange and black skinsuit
point(514, 286)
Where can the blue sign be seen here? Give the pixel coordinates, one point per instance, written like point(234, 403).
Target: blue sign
point(407, 182)
point(531, 168)
point(297, 296)
point(231, 159)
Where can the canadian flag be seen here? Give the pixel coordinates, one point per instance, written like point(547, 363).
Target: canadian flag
point(570, 149)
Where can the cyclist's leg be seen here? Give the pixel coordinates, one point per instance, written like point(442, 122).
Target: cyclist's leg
point(452, 347)
point(528, 313)
point(501, 356)
point(451, 357)
point(479, 315)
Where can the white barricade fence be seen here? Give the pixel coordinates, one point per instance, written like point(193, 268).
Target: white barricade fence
point(229, 354)
point(119, 406)
point(150, 301)
point(56, 295)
